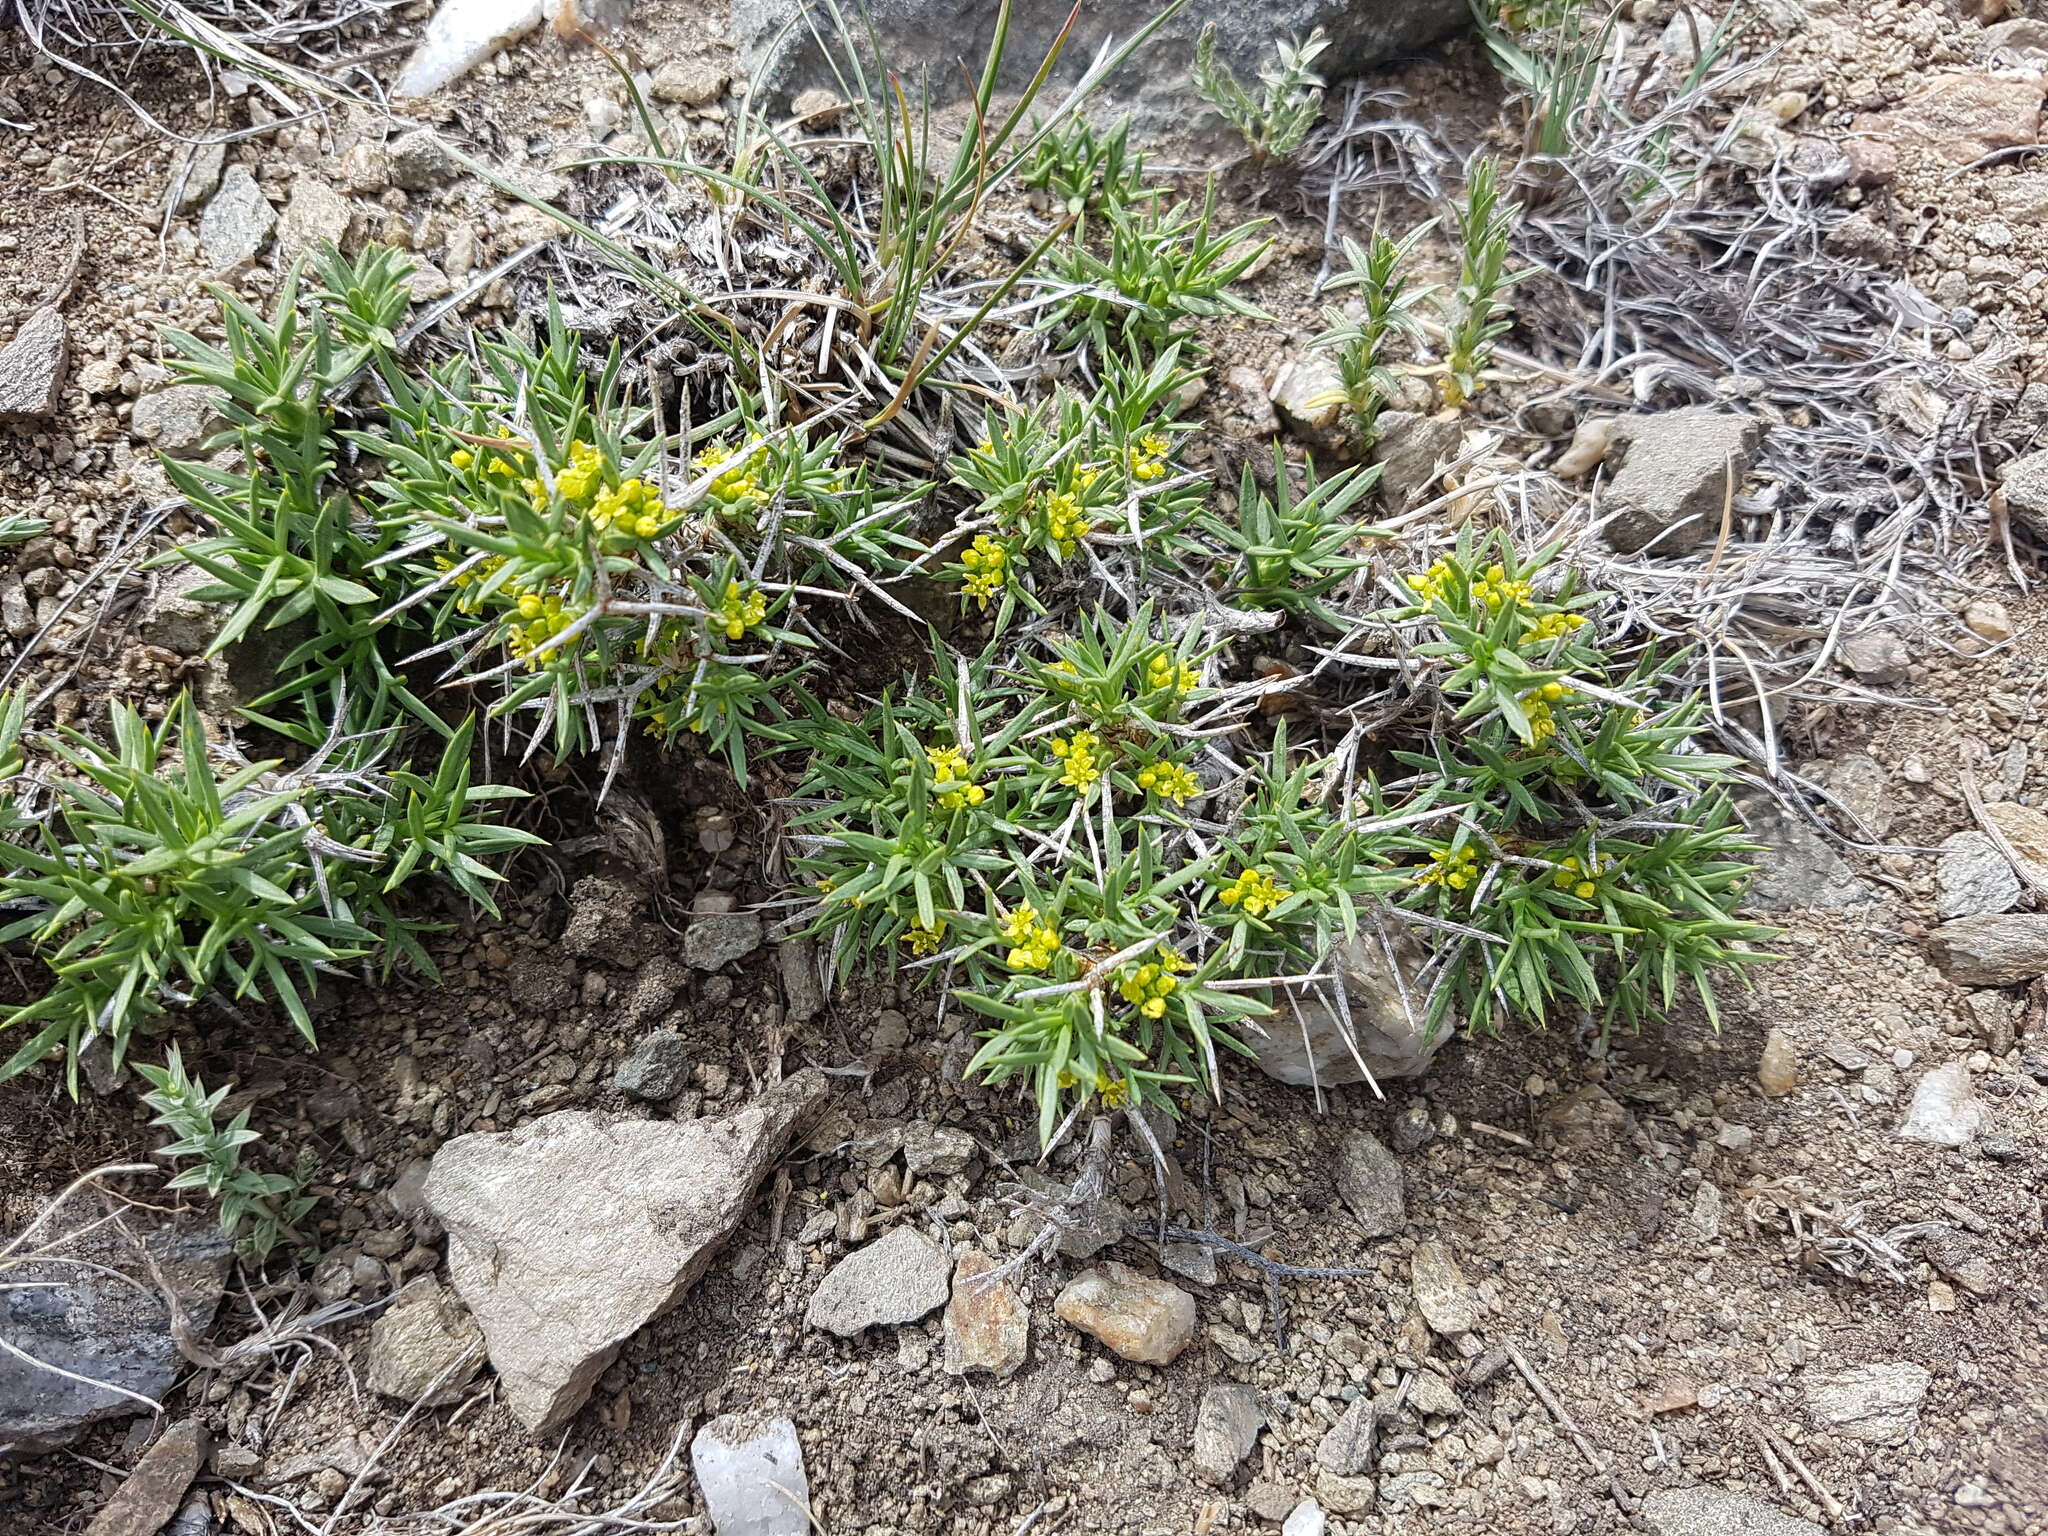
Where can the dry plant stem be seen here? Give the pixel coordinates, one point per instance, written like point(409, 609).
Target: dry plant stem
point(1974, 798)
point(1566, 1423)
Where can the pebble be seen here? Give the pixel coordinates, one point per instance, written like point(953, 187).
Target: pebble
point(1227, 1426)
point(1370, 1182)
point(1997, 950)
point(1346, 1448)
point(33, 367)
point(937, 1150)
point(1718, 1512)
point(419, 1343)
point(150, 1494)
point(237, 220)
point(1307, 1520)
point(987, 1325)
point(716, 939)
point(1412, 1128)
point(1945, 1110)
point(897, 1278)
point(689, 82)
point(1878, 1402)
point(657, 1069)
point(201, 166)
point(1777, 1068)
point(1973, 878)
point(1987, 617)
point(314, 216)
point(1447, 1303)
point(1142, 1319)
point(751, 1474)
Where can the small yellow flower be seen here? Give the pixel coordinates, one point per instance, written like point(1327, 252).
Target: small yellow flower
point(926, 941)
point(1456, 869)
point(1034, 943)
point(462, 458)
point(1114, 1092)
point(1078, 753)
point(987, 564)
point(953, 778)
point(1255, 892)
point(1166, 671)
point(741, 610)
point(1170, 781)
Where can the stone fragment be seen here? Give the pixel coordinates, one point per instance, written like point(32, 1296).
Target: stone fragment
point(657, 1069)
point(1989, 619)
point(1973, 878)
point(237, 220)
point(178, 421)
point(1777, 1065)
point(420, 161)
point(461, 35)
point(1959, 118)
point(1346, 1449)
point(1797, 867)
point(987, 1325)
point(751, 1474)
point(1308, 394)
point(1993, 951)
point(937, 1150)
point(149, 1496)
point(1860, 783)
point(716, 939)
point(197, 176)
point(1346, 1495)
point(689, 82)
point(1227, 1426)
point(422, 1334)
point(897, 1278)
point(1306, 1520)
point(569, 1234)
point(1945, 1110)
point(315, 215)
point(1718, 1512)
point(1411, 450)
point(1446, 1302)
point(1586, 1119)
point(803, 997)
point(1370, 1182)
point(1878, 657)
point(33, 367)
point(92, 1305)
point(1307, 1042)
point(1149, 1321)
point(2026, 829)
point(1877, 1402)
point(1670, 474)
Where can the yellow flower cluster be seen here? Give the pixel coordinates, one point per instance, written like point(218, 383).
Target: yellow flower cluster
point(1165, 671)
point(540, 620)
point(1255, 891)
point(1033, 943)
point(1170, 781)
point(631, 507)
point(1151, 984)
point(987, 565)
point(482, 571)
point(1456, 869)
point(1536, 704)
point(737, 484)
point(1078, 753)
point(1114, 1092)
point(953, 778)
point(741, 610)
point(1577, 876)
point(926, 941)
point(1147, 457)
point(1554, 626)
point(1492, 588)
point(582, 476)
point(1065, 522)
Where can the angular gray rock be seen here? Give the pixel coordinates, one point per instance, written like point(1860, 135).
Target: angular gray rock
point(200, 165)
point(1797, 867)
point(1878, 657)
point(1993, 951)
point(33, 367)
point(1974, 878)
point(237, 220)
point(897, 1278)
point(2025, 482)
point(1718, 1512)
point(419, 161)
point(803, 996)
point(937, 1150)
point(314, 215)
point(1945, 1111)
point(422, 1334)
point(656, 1069)
point(1669, 475)
point(925, 41)
point(1346, 1449)
point(1411, 451)
point(570, 1234)
point(178, 421)
point(1370, 1182)
point(151, 1493)
point(1227, 1426)
point(1305, 1040)
point(1446, 1302)
point(717, 939)
point(1878, 1402)
point(91, 1306)
point(751, 1473)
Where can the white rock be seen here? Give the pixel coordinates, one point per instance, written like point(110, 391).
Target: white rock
point(1878, 1402)
point(1718, 1512)
point(752, 1476)
point(462, 34)
point(1448, 1304)
point(1945, 1111)
point(1307, 1520)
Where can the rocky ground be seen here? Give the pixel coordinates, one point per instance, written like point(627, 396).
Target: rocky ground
point(1777, 1276)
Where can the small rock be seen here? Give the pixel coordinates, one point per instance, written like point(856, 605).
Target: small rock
point(1585, 1119)
point(1346, 1495)
point(1872, 162)
point(1370, 1182)
point(314, 215)
point(1412, 1129)
point(1718, 1512)
point(716, 939)
point(937, 1150)
point(1989, 620)
point(1346, 1448)
point(803, 997)
point(1676, 470)
point(1998, 1147)
point(1860, 783)
point(897, 1278)
point(1305, 1042)
point(461, 35)
point(33, 367)
point(1407, 1491)
point(987, 1325)
point(1307, 1520)
point(1447, 1303)
point(237, 220)
point(658, 1068)
point(2026, 830)
point(1878, 657)
point(1191, 1261)
point(1959, 118)
point(178, 422)
point(689, 82)
point(1227, 1426)
point(420, 161)
point(1777, 1066)
point(1945, 1111)
point(1149, 1321)
point(1411, 450)
point(150, 1494)
point(2025, 483)
point(197, 175)
point(751, 1474)
point(1862, 238)
point(1998, 950)
point(423, 1333)
point(1878, 1402)
point(1308, 393)
point(1952, 1253)
point(1735, 1138)
point(1974, 878)
point(1798, 867)
point(1270, 1501)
